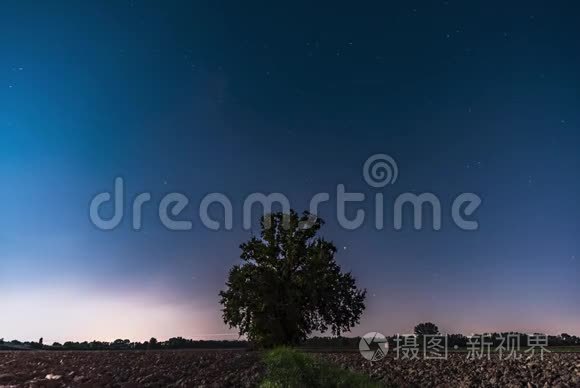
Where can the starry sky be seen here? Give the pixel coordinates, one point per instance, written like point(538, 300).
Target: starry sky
point(213, 96)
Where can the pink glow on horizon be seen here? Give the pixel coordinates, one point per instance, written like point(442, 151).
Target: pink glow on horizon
point(69, 315)
point(77, 314)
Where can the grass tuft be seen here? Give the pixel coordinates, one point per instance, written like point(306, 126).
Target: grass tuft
point(289, 368)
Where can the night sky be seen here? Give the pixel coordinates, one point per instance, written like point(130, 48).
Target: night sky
point(200, 97)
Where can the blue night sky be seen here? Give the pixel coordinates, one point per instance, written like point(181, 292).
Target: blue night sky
point(199, 97)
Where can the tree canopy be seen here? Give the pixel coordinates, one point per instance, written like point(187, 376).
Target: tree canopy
point(427, 328)
point(289, 284)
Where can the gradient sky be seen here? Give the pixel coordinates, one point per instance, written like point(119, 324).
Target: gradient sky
point(201, 97)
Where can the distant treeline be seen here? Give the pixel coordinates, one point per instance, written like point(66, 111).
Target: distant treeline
point(125, 344)
point(453, 340)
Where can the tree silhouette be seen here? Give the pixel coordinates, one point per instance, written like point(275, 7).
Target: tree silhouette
point(289, 284)
point(426, 328)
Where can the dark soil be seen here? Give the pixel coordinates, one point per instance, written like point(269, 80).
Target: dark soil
point(131, 368)
point(224, 368)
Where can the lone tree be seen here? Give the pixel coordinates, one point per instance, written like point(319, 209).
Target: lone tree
point(152, 343)
point(289, 284)
point(426, 328)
